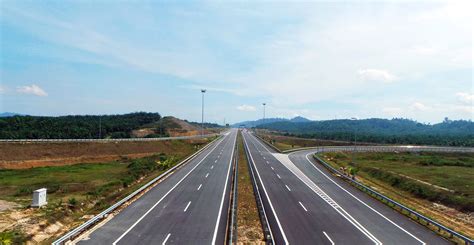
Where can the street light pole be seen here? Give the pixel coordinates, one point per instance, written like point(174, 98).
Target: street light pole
point(355, 141)
point(264, 104)
point(202, 112)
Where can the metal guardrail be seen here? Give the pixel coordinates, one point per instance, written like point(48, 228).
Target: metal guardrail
point(258, 198)
point(83, 227)
point(419, 217)
point(103, 140)
point(384, 148)
point(233, 211)
point(268, 143)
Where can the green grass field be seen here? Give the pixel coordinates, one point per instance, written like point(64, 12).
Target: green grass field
point(61, 181)
point(453, 171)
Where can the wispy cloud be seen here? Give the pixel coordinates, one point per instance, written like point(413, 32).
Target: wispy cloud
point(2, 89)
point(32, 89)
point(246, 108)
point(376, 75)
point(418, 106)
point(467, 98)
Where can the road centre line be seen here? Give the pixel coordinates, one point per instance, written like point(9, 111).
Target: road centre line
point(187, 206)
point(166, 239)
point(327, 236)
point(303, 207)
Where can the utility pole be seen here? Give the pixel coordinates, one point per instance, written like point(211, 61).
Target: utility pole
point(264, 104)
point(100, 127)
point(161, 126)
point(202, 112)
point(355, 140)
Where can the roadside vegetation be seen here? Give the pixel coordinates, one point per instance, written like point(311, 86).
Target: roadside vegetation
point(75, 192)
point(249, 228)
point(439, 185)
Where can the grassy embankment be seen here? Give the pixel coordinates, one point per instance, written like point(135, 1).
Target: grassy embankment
point(422, 181)
point(249, 228)
point(77, 190)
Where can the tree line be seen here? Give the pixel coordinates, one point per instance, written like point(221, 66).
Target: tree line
point(77, 127)
point(394, 131)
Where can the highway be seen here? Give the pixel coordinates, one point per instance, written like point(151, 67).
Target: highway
point(188, 207)
point(304, 204)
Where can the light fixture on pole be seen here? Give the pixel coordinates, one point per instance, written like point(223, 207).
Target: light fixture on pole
point(264, 104)
point(202, 112)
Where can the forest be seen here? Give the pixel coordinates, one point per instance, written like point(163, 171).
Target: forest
point(74, 127)
point(385, 131)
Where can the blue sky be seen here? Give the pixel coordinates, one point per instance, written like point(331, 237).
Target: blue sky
point(320, 60)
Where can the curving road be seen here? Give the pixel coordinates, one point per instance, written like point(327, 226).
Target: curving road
point(306, 205)
point(188, 207)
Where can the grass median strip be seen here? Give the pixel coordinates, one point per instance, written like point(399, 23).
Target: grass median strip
point(249, 228)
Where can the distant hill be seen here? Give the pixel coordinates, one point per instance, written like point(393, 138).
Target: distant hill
point(78, 127)
point(251, 124)
point(394, 131)
point(9, 114)
point(299, 119)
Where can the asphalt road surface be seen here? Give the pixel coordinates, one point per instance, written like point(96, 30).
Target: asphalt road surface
point(188, 207)
point(306, 205)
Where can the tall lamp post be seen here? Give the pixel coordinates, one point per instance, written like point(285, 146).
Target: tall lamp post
point(264, 104)
point(202, 112)
point(355, 140)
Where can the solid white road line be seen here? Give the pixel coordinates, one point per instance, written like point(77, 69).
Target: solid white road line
point(365, 204)
point(206, 175)
point(266, 194)
point(223, 193)
point(278, 176)
point(199, 187)
point(164, 196)
point(166, 239)
point(212, 166)
point(288, 188)
point(332, 243)
point(303, 207)
point(187, 206)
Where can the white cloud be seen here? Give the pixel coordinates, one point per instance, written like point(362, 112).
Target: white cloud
point(246, 108)
point(419, 106)
point(2, 89)
point(424, 50)
point(376, 75)
point(466, 98)
point(31, 89)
